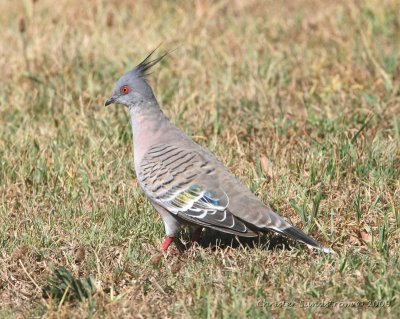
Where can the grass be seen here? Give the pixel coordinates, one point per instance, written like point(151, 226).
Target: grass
point(301, 100)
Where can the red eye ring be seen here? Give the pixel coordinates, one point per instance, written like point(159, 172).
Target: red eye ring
point(125, 89)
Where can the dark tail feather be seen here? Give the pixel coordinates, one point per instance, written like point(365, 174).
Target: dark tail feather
point(298, 235)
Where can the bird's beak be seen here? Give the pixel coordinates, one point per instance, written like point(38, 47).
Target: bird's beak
point(111, 100)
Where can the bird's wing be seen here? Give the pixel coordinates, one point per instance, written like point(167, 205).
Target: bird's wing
point(187, 184)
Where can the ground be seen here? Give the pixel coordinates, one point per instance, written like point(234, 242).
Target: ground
point(299, 99)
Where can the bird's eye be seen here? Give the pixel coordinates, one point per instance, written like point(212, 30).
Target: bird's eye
point(125, 89)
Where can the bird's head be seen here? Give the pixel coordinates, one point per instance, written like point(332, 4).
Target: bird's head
point(132, 88)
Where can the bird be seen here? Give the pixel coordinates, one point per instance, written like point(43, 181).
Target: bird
point(184, 182)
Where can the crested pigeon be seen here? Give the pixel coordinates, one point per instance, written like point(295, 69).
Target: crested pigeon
point(184, 182)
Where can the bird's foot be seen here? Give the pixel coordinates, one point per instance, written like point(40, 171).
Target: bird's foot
point(194, 237)
point(170, 251)
point(167, 243)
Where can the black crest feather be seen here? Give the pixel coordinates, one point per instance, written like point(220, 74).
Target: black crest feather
point(143, 67)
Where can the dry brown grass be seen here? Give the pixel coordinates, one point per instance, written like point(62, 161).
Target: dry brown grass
point(310, 88)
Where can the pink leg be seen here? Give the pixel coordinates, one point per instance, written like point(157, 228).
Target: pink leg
point(167, 242)
point(196, 234)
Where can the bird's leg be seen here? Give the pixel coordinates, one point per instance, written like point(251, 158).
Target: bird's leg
point(196, 234)
point(167, 242)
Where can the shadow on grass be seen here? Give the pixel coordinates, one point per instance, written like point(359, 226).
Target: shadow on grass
point(216, 240)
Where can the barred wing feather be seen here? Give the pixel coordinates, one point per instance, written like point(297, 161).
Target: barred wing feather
point(187, 185)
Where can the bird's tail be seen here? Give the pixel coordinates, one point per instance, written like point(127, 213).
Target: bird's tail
point(298, 235)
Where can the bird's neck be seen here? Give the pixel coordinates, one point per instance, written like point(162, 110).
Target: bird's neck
point(148, 122)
